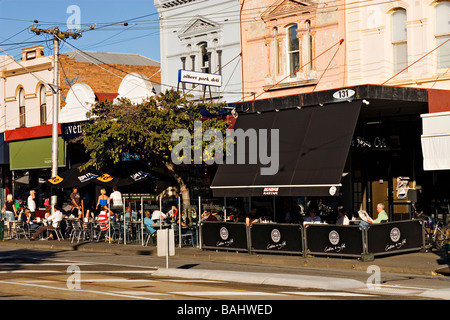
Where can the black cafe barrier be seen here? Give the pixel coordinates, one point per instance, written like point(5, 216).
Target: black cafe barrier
point(224, 235)
point(392, 237)
point(315, 239)
point(328, 239)
point(276, 238)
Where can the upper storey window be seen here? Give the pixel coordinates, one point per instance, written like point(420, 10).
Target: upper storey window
point(399, 40)
point(293, 50)
point(442, 33)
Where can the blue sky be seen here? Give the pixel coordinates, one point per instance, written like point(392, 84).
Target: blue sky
point(141, 35)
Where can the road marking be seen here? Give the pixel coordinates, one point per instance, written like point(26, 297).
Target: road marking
point(144, 293)
point(328, 294)
point(224, 293)
point(77, 290)
point(193, 281)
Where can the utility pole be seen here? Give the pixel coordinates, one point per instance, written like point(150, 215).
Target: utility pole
point(57, 37)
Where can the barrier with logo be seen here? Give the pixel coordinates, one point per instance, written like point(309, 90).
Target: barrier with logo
point(224, 236)
point(332, 240)
point(395, 237)
point(276, 238)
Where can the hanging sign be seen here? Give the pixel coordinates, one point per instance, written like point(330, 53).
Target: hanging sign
point(200, 78)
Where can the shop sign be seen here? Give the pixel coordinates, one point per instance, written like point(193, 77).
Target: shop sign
point(375, 143)
point(270, 191)
point(200, 78)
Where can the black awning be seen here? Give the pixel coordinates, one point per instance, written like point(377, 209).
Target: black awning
point(313, 148)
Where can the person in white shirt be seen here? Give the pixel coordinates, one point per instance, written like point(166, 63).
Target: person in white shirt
point(53, 220)
point(342, 218)
point(116, 198)
point(31, 204)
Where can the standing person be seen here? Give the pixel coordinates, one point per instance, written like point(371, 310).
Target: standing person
point(103, 199)
point(10, 211)
point(55, 218)
point(75, 200)
point(31, 204)
point(116, 198)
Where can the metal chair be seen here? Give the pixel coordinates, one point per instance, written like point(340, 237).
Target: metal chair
point(76, 229)
point(57, 231)
point(104, 227)
point(19, 229)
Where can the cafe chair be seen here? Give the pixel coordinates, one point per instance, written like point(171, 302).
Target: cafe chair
point(76, 229)
point(149, 236)
point(20, 230)
point(104, 227)
point(57, 231)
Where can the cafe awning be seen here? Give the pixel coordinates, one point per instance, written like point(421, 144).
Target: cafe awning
point(436, 141)
point(313, 148)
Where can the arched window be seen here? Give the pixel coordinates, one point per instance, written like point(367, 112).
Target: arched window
point(442, 33)
point(22, 122)
point(293, 50)
point(204, 56)
point(399, 40)
point(43, 105)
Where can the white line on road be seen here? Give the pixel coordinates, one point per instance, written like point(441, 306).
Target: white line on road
point(77, 290)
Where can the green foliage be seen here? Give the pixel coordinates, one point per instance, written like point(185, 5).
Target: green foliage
point(144, 128)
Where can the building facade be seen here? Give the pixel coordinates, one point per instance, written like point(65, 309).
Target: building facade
point(26, 101)
point(291, 47)
point(202, 36)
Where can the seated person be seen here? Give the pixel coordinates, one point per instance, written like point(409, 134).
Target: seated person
point(148, 222)
point(55, 218)
point(207, 216)
point(342, 218)
point(312, 218)
point(156, 215)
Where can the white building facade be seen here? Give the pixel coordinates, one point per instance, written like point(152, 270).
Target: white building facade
point(397, 43)
point(202, 36)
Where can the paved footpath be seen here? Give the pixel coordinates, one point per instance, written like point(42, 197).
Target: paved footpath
point(416, 263)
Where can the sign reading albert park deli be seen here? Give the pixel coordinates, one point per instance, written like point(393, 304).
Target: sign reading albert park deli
point(323, 239)
point(271, 237)
point(200, 78)
point(390, 237)
point(222, 235)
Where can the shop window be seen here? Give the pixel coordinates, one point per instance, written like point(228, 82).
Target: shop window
point(442, 33)
point(293, 50)
point(43, 105)
point(22, 115)
point(399, 40)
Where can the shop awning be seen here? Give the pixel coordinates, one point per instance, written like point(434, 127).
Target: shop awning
point(436, 141)
point(35, 153)
point(313, 148)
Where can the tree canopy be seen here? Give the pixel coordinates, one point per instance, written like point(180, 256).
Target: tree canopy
point(146, 129)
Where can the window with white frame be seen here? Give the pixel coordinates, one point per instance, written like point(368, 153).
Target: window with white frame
point(293, 53)
point(43, 105)
point(22, 115)
point(399, 39)
point(442, 33)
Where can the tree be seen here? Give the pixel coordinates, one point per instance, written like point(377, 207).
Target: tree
point(146, 129)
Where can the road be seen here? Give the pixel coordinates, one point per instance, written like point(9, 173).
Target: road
point(70, 275)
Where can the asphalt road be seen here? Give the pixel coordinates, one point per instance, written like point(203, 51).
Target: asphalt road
point(63, 275)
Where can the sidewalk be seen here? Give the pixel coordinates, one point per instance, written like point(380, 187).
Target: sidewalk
point(417, 263)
